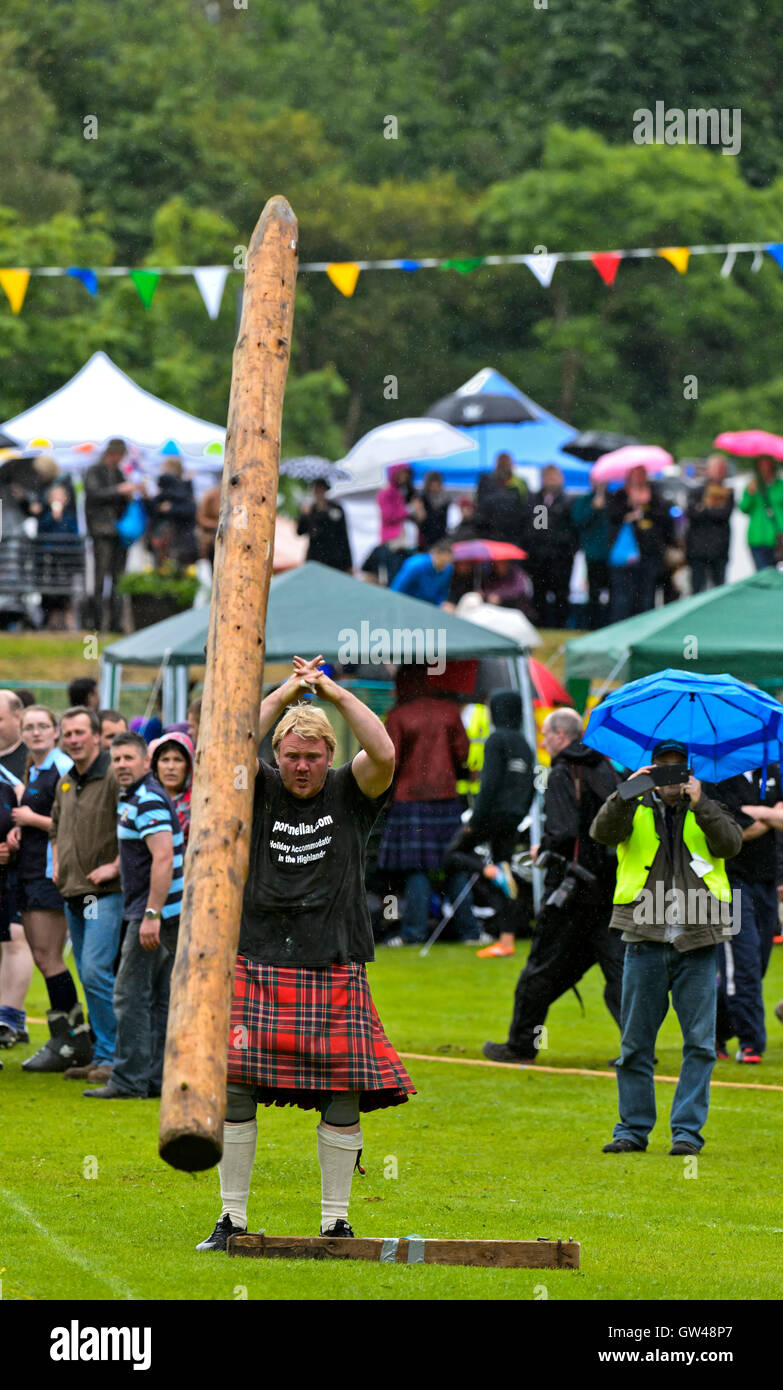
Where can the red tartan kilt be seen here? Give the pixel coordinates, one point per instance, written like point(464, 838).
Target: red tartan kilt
point(297, 1034)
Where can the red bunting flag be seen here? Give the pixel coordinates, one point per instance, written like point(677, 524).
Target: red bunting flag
point(607, 264)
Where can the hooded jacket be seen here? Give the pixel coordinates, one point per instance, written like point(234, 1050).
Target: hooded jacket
point(613, 825)
point(393, 505)
point(180, 800)
point(579, 782)
point(506, 789)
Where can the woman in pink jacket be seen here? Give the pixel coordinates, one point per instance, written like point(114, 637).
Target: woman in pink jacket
point(398, 503)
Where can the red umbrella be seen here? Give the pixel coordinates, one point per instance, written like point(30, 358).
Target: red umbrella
point(547, 687)
point(750, 444)
point(483, 551)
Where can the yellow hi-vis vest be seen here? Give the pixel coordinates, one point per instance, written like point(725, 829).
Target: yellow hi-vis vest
point(636, 854)
point(477, 730)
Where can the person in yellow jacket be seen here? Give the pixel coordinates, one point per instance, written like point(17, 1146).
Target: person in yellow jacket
point(672, 903)
point(475, 719)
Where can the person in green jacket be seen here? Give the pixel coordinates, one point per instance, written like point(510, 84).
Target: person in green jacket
point(762, 502)
point(588, 514)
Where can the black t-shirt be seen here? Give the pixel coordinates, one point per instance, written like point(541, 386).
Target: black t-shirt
point(755, 862)
point(304, 901)
point(34, 856)
point(16, 762)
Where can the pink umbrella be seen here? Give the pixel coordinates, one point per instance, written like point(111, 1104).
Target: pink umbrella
point(615, 467)
point(749, 444)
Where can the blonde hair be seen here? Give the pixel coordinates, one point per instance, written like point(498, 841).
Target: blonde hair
point(35, 709)
point(307, 723)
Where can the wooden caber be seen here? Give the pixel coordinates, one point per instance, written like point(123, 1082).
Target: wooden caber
point(194, 1078)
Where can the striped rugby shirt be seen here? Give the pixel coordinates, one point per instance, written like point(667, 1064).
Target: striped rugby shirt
point(145, 809)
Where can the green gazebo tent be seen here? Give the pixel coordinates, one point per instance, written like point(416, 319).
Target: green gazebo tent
point(311, 609)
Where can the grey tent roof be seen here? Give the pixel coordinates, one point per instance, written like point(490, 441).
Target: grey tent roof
point(317, 609)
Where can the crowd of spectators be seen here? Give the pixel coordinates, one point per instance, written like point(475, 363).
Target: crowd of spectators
point(636, 543)
point(94, 820)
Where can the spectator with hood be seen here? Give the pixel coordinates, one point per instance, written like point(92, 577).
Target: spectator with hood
point(396, 505)
point(503, 800)
point(171, 764)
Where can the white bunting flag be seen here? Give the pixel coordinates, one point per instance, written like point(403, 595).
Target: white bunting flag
point(728, 264)
point(542, 266)
point(211, 280)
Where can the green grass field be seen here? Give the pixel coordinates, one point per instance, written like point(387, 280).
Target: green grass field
point(479, 1152)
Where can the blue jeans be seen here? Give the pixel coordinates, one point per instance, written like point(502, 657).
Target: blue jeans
point(141, 1003)
point(763, 556)
point(651, 970)
point(743, 961)
point(95, 937)
point(417, 903)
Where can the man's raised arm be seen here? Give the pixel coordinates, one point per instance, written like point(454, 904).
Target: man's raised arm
point(373, 768)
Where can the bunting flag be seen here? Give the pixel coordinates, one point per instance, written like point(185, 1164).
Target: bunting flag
point(728, 264)
point(211, 280)
point(678, 256)
point(464, 266)
point(87, 277)
point(146, 282)
point(15, 283)
point(607, 263)
point(343, 275)
point(542, 266)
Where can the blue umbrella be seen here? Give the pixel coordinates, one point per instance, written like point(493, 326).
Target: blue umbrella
point(727, 726)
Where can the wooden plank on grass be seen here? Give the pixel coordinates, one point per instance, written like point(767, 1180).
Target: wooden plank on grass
point(497, 1254)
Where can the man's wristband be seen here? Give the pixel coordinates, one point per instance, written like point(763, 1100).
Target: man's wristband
point(150, 914)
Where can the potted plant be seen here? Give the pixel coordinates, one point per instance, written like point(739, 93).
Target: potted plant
point(156, 594)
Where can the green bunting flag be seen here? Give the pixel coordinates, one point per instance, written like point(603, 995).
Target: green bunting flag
point(146, 282)
point(463, 266)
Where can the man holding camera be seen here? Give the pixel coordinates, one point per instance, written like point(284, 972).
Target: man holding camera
point(671, 904)
point(572, 932)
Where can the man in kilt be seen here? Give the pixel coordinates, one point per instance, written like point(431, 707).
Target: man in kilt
point(304, 1030)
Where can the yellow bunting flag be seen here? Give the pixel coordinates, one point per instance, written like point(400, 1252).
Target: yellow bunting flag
point(678, 256)
point(15, 283)
point(344, 275)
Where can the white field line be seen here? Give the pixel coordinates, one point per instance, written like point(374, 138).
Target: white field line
point(67, 1251)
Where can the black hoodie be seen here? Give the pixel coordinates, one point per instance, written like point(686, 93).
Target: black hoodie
point(579, 783)
point(507, 775)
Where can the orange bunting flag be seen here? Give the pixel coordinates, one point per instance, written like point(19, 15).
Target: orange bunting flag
point(607, 263)
point(15, 283)
point(678, 256)
point(344, 274)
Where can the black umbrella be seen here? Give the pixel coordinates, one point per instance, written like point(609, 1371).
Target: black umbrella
point(480, 409)
point(310, 467)
point(593, 443)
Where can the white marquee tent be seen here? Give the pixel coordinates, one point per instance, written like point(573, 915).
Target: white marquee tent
point(101, 401)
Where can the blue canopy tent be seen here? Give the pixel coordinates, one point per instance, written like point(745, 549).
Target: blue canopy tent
point(532, 444)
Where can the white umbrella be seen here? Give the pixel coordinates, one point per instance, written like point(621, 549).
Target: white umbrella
point(399, 442)
point(508, 621)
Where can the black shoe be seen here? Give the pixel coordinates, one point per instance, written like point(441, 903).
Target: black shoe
point(340, 1228)
point(8, 1035)
point(684, 1146)
point(501, 1052)
point(68, 1044)
point(219, 1238)
point(111, 1092)
point(622, 1146)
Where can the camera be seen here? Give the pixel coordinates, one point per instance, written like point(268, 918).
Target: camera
point(574, 875)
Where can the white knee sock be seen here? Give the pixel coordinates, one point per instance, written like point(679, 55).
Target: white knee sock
point(236, 1168)
point(337, 1157)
